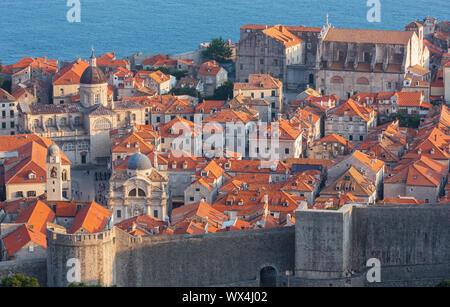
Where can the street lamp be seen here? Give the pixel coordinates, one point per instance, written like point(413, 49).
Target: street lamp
point(288, 273)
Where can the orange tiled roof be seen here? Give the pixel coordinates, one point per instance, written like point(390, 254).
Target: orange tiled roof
point(334, 138)
point(421, 172)
point(409, 99)
point(208, 106)
point(363, 36)
point(226, 116)
point(92, 218)
point(71, 73)
point(209, 68)
point(66, 209)
point(140, 225)
point(281, 34)
point(352, 107)
point(373, 164)
point(200, 210)
point(36, 217)
point(259, 81)
point(153, 60)
point(18, 238)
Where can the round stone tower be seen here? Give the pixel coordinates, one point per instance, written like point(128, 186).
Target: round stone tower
point(80, 258)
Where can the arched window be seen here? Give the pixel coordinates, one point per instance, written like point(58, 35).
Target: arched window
point(63, 121)
point(102, 124)
point(137, 192)
point(64, 175)
point(77, 121)
point(49, 122)
point(36, 123)
point(362, 81)
point(337, 79)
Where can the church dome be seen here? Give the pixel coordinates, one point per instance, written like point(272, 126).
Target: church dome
point(93, 75)
point(139, 162)
point(53, 150)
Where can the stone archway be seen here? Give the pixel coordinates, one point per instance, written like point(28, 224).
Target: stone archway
point(268, 277)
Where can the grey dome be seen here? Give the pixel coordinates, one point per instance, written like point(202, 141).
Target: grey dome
point(139, 162)
point(53, 150)
point(93, 75)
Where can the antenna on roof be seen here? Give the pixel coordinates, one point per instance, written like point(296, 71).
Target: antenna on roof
point(327, 20)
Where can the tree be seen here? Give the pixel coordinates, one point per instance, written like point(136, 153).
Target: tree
point(218, 50)
point(225, 91)
point(179, 74)
point(19, 280)
point(186, 91)
point(165, 70)
point(444, 284)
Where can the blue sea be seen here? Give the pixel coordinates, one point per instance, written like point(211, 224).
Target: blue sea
point(39, 27)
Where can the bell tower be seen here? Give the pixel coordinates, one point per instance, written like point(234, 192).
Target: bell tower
point(54, 184)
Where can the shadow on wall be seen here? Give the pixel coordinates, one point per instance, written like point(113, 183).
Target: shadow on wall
point(245, 258)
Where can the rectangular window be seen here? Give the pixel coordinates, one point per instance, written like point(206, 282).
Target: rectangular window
point(31, 193)
point(119, 213)
point(155, 213)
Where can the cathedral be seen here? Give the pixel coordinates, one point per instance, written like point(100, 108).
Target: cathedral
point(81, 128)
point(137, 188)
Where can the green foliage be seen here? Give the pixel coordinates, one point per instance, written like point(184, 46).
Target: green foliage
point(186, 91)
point(224, 92)
point(163, 69)
point(410, 121)
point(444, 284)
point(179, 74)
point(218, 50)
point(19, 280)
point(334, 208)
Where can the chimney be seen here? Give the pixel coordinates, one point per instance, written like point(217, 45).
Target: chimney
point(266, 199)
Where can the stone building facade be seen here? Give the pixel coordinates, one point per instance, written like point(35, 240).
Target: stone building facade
point(140, 189)
point(355, 60)
point(81, 129)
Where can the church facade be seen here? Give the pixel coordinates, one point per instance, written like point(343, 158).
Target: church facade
point(138, 188)
point(81, 128)
point(355, 60)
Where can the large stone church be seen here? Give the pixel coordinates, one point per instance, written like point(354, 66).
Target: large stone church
point(359, 60)
point(81, 128)
point(137, 188)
